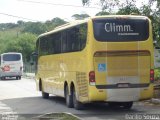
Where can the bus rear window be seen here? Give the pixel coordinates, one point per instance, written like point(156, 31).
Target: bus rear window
point(120, 30)
point(11, 57)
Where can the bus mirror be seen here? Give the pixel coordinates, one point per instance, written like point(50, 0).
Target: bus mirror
point(34, 54)
point(156, 45)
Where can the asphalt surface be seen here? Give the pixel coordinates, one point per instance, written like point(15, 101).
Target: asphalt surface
point(20, 97)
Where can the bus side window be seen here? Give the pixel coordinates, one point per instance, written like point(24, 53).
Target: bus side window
point(76, 38)
point(51, 45)
point(72, 40)
point(57, 43)
point(43, 46)
point(83, 35)
point(69, 40)
point(63, 41)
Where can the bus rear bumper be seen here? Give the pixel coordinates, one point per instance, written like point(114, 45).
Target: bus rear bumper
point(121, 95)
point(10, 74)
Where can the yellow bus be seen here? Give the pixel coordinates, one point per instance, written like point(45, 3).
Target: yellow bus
point(100, 59)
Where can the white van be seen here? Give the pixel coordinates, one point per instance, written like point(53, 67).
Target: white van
point(11, 65)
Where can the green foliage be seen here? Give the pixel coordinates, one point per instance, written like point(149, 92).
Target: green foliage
point(5, 26)
point(109, 4)
point(5, 37)
point(21, 37)
point(158, 3)
point(58, 21)
point(102, 13)
point(54, 23)
point(105, 4)
point(24, 43)
point(35, 28)
point(157, 74)
point(128, 10)
point(80, 16)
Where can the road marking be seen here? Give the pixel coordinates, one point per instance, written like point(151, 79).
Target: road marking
point(4, 109)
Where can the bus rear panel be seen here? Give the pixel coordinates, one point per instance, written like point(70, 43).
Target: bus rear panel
point(122, 59)
point(11, 65)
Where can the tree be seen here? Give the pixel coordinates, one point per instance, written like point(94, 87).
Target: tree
point(35, 28)
point(20, 22)
point(80, 16)
point(24, 44)
point(58, 21)
point(102, 13)
point(105, 4)
point(127, 10)
point(128, 7)
point(51, 24)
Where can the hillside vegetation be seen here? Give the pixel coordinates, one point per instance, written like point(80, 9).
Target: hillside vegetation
point(21, 36)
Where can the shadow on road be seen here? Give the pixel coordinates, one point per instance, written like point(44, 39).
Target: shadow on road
point(38, 105)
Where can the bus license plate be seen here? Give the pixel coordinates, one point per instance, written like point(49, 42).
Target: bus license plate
point(123, 85)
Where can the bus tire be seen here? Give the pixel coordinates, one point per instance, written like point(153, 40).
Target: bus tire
point(18, 78)
point(69, 98)
point(77, 105)
point(45, 95)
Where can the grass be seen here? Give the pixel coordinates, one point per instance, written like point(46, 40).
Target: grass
point(57, 116)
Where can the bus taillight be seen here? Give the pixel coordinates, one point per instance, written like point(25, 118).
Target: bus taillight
point(92, 80)
point(152, 75)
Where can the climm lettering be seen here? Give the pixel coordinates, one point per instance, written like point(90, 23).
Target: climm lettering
point(112, 27)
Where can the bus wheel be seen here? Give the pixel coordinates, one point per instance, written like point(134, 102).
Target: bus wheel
point(45, 95)
point(69, 98)
point(77, 105)
point(18, 77)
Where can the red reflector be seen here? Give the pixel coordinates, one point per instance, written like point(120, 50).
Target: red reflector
point(151, 78)
point(91, 74)
point(151, 71)
point(152, 75)
point(92, 78)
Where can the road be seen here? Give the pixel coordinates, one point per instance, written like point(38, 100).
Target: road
point(21, 97)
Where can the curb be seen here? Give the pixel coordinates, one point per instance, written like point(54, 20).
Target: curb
point(29, 75)
point(57, 116)
point(155, 101)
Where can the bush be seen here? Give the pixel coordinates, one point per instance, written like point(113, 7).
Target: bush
point(157, 74)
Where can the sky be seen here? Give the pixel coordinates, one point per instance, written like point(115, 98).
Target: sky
point(43, 10)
